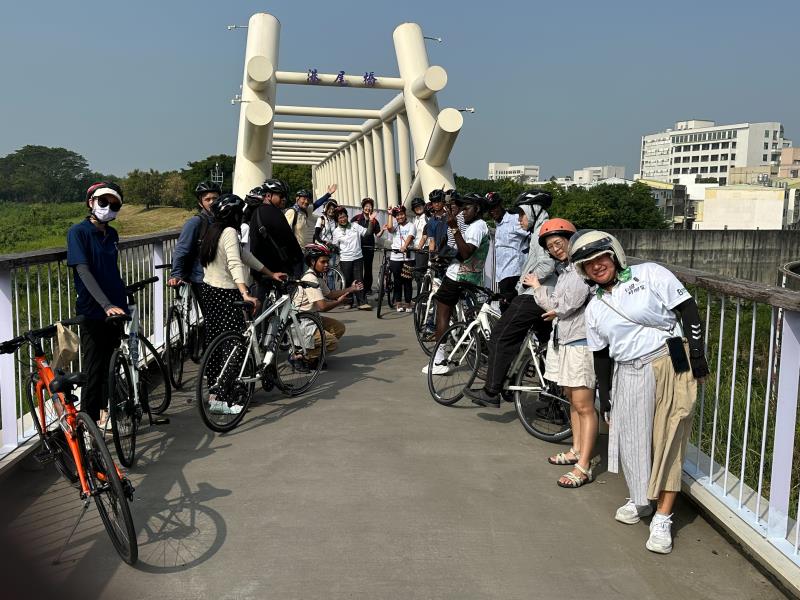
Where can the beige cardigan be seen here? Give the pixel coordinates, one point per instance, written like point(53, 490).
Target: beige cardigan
point(230, 265)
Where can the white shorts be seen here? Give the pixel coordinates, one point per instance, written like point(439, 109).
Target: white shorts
point(570, 366)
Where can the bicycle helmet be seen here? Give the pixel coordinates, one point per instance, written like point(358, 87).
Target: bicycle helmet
point(537, 197)
point(560, 227)
point(436, 195)
point(472, 198)
point(303, 193)
point(205, 187)
point(493, 200)
point(275, 186)
point(588, 244)
point(417, 202)
point(311, 252)
point(255, 197)
point(103, 187)
point(227, 208)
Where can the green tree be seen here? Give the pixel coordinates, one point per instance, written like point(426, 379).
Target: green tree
point(43, 174)
point(296, 177)
point(200, 170)
point(173, 188)
point(143, 187)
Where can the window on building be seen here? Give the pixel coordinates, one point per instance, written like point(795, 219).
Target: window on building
point(775, 135)
point(766, 145)
point(794, 172)
point(774, 145)
point(704, 158)
point(724, 145)
point(676, 171)
point(715, 146)
point(676, 181)
point(696, 147)
point(733, 156)
point(684, 170)
point(776, 157)
point(695, 159)
point(713, 169)
point(723, 157)
point(734, 134)
point(763, 158)
point(766, 133)
point(715, 157)
point(693, 170)
point(723, 169)
point(687, 158)
point(733, 144)
point(723, 180)
point(704, 169)
point(705, 147)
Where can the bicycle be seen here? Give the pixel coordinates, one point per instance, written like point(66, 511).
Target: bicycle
point(73, 442)
point(335, 277)
point(137, 381)
point(385, 283)
point(540, 404)
point(233, 362)
point(184, 331)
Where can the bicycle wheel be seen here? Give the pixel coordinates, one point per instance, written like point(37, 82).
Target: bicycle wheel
point(154, 389)
point(336, 279)
point(122, 409)
point(425, 322)
point(196, 330)
point(109, 492)
point(461, 362)
point(226, 382)
point(174, 347)
point(299, 354)
point(54, 442)
point(389, 286)
point(541, 407)
point(381, 290)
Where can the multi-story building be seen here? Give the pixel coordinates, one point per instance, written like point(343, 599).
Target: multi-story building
point(595, 174)
point(707, 150)
point(521, 173)
point(746, 207)
point(789, 165)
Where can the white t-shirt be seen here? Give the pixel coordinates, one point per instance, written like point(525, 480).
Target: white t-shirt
point(419, 222)
point(399, 237)
point(475, 234)
point(648, 298)
point(327, 225)
point(349, 241)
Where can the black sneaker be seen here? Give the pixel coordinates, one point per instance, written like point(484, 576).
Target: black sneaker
point(483, 398)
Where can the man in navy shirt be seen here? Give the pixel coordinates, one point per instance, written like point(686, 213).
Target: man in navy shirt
point(92, 253)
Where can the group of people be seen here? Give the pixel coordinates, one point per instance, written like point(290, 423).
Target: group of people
point(630, 333)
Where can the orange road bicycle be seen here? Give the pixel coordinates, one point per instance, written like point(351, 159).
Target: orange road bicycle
point(73, 442)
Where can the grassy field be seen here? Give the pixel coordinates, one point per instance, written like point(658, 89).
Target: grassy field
point(25, 227)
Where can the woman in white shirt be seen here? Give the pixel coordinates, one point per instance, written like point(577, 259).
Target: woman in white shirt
point(640, 318)
point(401, 260)
point(347, 236)
point(326, 223)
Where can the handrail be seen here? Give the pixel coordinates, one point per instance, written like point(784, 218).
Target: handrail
point(791, 270)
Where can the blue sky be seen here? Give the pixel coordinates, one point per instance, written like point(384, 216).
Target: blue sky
point(147, 84)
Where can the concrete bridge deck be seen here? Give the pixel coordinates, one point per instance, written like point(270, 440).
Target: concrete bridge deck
point(365, 488)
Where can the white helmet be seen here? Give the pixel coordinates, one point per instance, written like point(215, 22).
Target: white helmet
point(587, 244)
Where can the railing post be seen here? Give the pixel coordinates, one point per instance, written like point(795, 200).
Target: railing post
point(158, 293)
point(8, 380)
point(785, 420)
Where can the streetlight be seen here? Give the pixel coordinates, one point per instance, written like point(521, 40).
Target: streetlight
point(232, 27)
point(435, 39)
point(469, 109)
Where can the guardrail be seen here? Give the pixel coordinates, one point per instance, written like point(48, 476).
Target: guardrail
point(36, 289)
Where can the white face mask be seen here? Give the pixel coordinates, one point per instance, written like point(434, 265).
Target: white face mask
point(104, 214)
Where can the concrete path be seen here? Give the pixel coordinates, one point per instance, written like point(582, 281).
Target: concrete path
point(365, 488)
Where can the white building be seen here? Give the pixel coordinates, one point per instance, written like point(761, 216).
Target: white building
point(704, 149)
point(589, 175)
point(521, 173)
point(744, 207)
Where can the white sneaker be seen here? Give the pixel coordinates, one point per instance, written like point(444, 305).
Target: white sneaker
point(401, 309)
point(660, 539)
point(437, 368)
point(218, 407)
point(630, 513)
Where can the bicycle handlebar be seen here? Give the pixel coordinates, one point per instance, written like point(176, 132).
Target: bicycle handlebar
point(10, 346)
point(162, 267)
point(140, 285)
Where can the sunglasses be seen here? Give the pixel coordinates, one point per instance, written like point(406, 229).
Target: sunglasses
point(103, 201)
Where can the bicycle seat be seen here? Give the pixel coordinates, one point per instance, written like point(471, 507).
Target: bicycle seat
point(66, 382)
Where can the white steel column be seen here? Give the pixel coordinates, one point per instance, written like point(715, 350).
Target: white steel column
point(352, 169)
point(8, 382)
point(362, 173)
point(389, 165)
point(380, 171)
point(314, 184)
point(369, 164)
point(420, 84)
point(348, 173)
point(254, 141)
point(337, 160)
point(403, 156)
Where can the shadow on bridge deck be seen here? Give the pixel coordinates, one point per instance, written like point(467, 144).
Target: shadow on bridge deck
point(366, 488)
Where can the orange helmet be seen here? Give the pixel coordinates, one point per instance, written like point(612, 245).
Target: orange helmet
point(560, 227)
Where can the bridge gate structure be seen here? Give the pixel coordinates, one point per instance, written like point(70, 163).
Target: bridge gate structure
point(360, 158)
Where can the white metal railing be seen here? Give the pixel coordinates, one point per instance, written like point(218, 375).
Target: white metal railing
point(36, 289)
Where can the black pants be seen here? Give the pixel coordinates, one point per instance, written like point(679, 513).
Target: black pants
point(353, 270)
point(421, 261)
point(402, 285)
point(508, 289)
point(369, 254)
point(507, 337)
point(98, 341)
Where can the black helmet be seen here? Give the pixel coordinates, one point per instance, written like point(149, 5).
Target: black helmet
point(417, 202)
point(227, 208)
point(452, 194)
point(472, 198)
point(436, 195)
point(255, 197)
point(275, 186)
point(304, 193)
point(493, 199)
point(206, 187)
point(311, 252)
point(538, 197)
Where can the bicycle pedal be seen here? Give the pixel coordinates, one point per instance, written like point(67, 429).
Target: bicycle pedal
point(44, 457)
point(128, 489)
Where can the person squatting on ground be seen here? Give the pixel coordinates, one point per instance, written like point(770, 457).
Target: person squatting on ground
point(347, 236)
point(635, 325)
point(510, 248)
point(226, 279)
point(420, 222)
point(364, 218)
point(523, 312)
point(322, 299)
point(569, 361)
point(92, 254)
point(471, 247)
point(401, 260)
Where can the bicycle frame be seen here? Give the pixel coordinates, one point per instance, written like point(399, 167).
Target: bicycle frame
point(130, 348)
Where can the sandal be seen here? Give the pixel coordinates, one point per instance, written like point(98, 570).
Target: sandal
point(575, 481)
point(561, 458)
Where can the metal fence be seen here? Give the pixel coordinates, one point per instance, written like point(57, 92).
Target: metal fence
point(36, 289)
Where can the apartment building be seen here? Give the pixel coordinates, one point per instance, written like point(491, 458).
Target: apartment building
point(521, 173)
